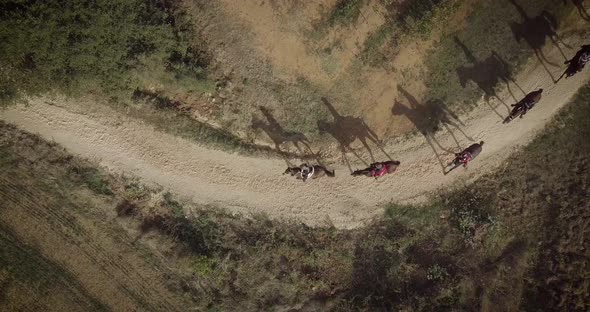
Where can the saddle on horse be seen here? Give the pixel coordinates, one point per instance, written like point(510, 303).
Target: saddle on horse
point(306, 171)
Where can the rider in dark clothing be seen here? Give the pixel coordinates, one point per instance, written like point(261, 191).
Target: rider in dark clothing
point(528, 102)
point(581, 57)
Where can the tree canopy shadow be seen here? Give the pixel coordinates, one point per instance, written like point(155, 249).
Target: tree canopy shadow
point(280, 136)
point(379, 280)
point(428, 118)
point(535, 31)
point(487, 74)
point(346, 130)
point(370, 278)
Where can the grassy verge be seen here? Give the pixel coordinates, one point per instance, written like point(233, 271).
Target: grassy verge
point(489, 49)
point(405, 20)
point(179, 123)
point(345, 12)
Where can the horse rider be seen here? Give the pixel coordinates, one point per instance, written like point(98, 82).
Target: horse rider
point(464, 158)
point(529, 101)
point(469, 153)
point(305, 171)
point(378, 169)
point(581, 58)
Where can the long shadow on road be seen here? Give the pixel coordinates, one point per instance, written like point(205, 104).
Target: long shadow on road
point(280, 136)
point(428, 118)
point(487, 74)
point(346, 130)
point(535, 31)
point(581, 9)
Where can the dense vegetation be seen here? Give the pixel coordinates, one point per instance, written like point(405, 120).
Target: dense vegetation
point(108, 47)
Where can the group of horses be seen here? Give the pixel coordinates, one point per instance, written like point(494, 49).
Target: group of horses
point(575, 65)
point(318, 171)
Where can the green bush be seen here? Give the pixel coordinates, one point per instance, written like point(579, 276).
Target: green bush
point(405, 19)
point(175, 207)
point(90, 46)
point(437, 273)
point(470, 209)
point(93, 178)
point(345, 12)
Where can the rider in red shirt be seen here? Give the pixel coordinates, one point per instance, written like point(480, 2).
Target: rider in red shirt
point(379, 169)
point(464, 158)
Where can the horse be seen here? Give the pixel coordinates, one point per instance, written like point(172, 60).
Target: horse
point(516, 111)
point(572, 69)
point(391, 166)
point(473, 150)
point(520, 107)
point(318, 172)
point(576, 64)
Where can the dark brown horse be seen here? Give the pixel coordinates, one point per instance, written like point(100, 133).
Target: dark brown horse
point(576, 64)
point(460, 160)
point(391, 166)
point(318, 172)
point(524, 105)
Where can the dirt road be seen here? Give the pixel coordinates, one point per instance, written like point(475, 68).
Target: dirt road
point(247, 184)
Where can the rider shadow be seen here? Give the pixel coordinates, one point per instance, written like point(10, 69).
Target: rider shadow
point(280, 136)
point(487, 74)
point(428, 118)
point(535, 32)
point(346, 130)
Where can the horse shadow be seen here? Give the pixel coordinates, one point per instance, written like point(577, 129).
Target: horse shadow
point(346, 130)
point(429, 118)
point(581, 9)
point(280, 136)
point(535, 31)
point(487, 74)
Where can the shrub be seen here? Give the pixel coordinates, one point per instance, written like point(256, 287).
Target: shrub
point(437, 273)
point(80, 46)
point(126, 208)
point(470, 209)
point(93, 178)
point(345, 12)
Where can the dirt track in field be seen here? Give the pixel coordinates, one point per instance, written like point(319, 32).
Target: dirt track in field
point(108, 270)
point(248, 184)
